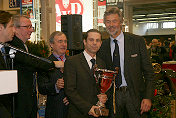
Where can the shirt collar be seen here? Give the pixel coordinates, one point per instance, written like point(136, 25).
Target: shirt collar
point(87, 56)
point(58, 56)
point(1, 46)
point(118, 38)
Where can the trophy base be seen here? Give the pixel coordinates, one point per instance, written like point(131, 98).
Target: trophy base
point(102, 111)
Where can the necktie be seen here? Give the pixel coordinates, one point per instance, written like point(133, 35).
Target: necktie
point(61, 58)
point(93, 62)
point(3, 52)
point(116, 63)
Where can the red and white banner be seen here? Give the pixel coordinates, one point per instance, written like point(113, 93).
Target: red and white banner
point(101, 2)
point(26, 2)
point(101, 10)
point(82, 7)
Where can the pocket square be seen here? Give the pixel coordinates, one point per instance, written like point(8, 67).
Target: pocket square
point(134, 55)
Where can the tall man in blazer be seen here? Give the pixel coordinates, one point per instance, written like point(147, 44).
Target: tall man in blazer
point(135, 89)
point(6, 34)
point(80, 85)
point(52, 83)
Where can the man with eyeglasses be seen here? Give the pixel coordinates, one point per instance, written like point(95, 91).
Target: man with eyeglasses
point(25, 99)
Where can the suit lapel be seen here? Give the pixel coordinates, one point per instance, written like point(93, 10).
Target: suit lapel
point(85, 64)
point(127, 51)
point(108, 54)
point(52, 58)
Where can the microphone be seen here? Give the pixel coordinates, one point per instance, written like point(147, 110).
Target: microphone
point(12, 53)
point(14, 50)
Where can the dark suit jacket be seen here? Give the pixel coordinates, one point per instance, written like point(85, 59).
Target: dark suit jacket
point(25, 99)
point(80, 86)
point(138, 70)
point(5, 100)
point(55, 108)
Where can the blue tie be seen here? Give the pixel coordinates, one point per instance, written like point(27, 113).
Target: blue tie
point(3, 52)
point(116, 63)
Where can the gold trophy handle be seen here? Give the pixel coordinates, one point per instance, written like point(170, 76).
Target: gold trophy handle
point(114, 91)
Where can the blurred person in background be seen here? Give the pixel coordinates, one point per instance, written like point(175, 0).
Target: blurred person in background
point(157, 52)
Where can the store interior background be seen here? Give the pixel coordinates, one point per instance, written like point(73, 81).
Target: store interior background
point(149, 9)
point(137, 14)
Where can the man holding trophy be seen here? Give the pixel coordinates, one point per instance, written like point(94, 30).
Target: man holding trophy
point(80, 84)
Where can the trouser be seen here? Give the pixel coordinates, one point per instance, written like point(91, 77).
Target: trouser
point(125, 106)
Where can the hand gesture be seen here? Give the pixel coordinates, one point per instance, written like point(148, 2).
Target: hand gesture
point(92, 111)
point(59, 64)
point(65, 100)
point(60, 83)
point(145, 105)
point(102, 98)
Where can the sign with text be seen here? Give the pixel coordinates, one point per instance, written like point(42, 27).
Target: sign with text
point(82, 7)
point(26, 2)
point(14, 3)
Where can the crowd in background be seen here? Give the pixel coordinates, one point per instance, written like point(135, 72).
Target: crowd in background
point(161, 51)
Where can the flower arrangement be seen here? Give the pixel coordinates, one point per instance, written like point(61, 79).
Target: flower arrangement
point(161, 104)
point(40, 48)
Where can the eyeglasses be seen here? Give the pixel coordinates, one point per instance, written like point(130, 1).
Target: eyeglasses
point(28, 27)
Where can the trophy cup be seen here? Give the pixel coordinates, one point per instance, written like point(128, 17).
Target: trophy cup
point(104, 79)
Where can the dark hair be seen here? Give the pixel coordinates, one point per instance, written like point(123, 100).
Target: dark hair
point(113, 10)
point(5, 17)
point(91, 30)
point(51, 38)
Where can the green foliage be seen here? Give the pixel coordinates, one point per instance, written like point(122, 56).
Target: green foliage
point(161, 104)
point(39, 49)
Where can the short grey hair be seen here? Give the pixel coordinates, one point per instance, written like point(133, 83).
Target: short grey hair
point(51, 38)
point(16, 19)
point(113, 10)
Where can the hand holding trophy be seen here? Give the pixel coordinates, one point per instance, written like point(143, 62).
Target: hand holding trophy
point(104, 79)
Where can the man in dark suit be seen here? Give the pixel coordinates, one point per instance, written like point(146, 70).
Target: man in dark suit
point(52, 83)
point(134, 85)
point(80, 85)
point(25, 99)
point(6, 34)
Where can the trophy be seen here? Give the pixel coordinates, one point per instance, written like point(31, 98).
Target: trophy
point(104, 79)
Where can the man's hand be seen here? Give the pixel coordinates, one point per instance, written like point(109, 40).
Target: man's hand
point(60, 83)
point(65, 100)
point(145, 105)
point(102, 98)
point(59, 64)
point(92, 111)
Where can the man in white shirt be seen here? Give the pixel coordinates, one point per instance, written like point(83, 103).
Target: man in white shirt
point(80, 85)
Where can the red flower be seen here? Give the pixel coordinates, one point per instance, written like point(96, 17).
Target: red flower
point(154, 109)
point(155, 92)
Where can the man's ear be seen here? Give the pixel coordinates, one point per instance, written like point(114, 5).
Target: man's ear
point(1, 27)
point(84, 41)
